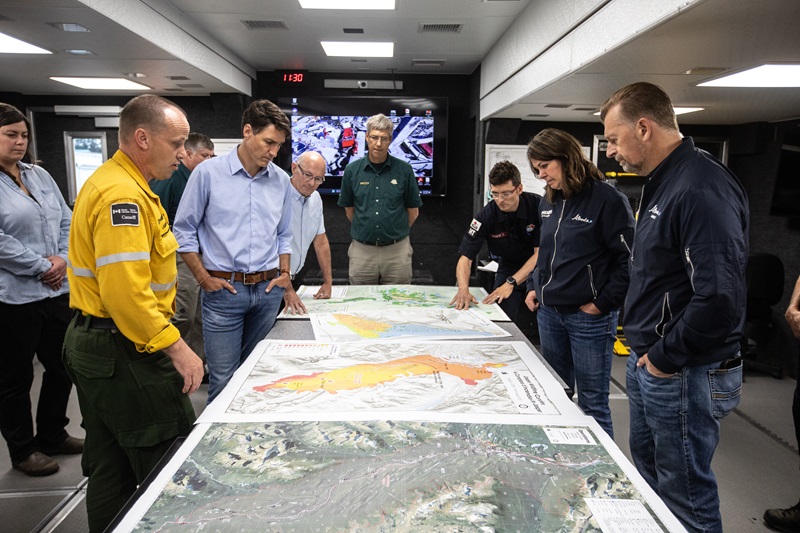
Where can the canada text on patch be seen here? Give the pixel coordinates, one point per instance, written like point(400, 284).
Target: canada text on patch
point(124, 215)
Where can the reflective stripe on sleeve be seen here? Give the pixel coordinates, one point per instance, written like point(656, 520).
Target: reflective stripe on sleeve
point(82, 272)
point(120, 258)
point(163, 286)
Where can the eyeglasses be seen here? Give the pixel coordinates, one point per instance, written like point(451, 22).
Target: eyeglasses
point(505, 195)
point(379, 138)
point(311, 177)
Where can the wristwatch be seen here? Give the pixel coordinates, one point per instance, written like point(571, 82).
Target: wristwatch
point(511, 281)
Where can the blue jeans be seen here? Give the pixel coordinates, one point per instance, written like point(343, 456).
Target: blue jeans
point(579, 347)
point(232, 326)
point(674, 432)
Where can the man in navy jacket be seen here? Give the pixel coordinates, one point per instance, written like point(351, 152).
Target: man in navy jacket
point(684, 312)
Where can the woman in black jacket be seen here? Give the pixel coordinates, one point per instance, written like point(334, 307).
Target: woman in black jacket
point(581, 275)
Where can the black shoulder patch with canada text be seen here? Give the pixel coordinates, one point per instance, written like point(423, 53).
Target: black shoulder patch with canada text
point(124, 215)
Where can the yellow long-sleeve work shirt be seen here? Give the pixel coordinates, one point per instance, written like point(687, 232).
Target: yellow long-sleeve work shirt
point(122, 255)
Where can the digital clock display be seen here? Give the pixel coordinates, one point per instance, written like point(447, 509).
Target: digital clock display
point(293, 77)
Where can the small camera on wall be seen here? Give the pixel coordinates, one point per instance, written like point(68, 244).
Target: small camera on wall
point(362, 84)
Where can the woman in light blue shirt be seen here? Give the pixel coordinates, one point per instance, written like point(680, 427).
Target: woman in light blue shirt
point(34, 303)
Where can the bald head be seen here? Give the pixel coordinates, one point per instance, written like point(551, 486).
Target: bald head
point(152, 131)
point(308, 172)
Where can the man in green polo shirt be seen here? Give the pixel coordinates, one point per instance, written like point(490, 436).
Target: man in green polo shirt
point(381, 198)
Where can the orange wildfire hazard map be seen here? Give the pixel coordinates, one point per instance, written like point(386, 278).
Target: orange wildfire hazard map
point(371, 375)
point(369, 329)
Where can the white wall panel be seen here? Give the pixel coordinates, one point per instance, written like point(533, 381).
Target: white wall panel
point(616, 23)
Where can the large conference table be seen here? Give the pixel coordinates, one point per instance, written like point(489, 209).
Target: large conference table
point(615, 511)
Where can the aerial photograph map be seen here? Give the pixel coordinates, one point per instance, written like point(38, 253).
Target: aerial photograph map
point(347, 298)
point(400, 476)
point(458, 377)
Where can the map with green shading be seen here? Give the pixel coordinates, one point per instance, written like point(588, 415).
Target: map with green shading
point(401, 476)
point(390, 297)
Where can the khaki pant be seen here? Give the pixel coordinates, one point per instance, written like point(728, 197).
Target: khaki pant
point(188, 316)
point(380, 265)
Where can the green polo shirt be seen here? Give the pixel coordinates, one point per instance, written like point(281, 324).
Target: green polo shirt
point(380, 198)
point(171, 190)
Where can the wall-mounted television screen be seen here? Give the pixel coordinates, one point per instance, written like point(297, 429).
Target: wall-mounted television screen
point(336, 127)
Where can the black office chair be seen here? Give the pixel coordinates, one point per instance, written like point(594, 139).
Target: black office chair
point(765, 277)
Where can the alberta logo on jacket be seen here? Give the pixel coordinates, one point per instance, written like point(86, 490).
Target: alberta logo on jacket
point(579, 218)
point(654, 211)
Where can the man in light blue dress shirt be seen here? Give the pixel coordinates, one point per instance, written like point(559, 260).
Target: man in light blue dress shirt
point(308, 226)
point(234, 230)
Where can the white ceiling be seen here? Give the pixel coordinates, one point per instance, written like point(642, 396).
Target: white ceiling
point(207, 42)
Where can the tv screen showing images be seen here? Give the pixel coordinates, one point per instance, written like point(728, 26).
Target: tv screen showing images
point(337, 129)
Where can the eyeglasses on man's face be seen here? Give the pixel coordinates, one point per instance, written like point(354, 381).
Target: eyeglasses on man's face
point(384, 139)
point(311, 177)
point(505, 195)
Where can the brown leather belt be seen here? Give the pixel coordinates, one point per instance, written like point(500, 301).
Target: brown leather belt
point(251, 278)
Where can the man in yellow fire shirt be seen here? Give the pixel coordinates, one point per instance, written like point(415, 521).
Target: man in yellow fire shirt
point(131, 369)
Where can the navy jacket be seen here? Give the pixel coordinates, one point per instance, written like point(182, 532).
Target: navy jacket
point(512, 237)
point(584, 249)
point(686, 302)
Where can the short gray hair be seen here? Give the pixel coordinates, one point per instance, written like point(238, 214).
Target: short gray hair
point(379, 122)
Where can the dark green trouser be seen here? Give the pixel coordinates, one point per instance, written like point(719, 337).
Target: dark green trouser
point(132, 408)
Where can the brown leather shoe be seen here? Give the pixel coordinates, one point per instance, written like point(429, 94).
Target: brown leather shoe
point(70, 446)
point(37, 464)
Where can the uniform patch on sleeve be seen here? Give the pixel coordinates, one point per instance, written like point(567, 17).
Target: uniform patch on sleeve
point(124, 215)
point(475, 225)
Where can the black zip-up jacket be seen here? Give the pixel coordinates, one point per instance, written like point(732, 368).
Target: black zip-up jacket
point(584, 249)
point(512, 237)
point(686, 302)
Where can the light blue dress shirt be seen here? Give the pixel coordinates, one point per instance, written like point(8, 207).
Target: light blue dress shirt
point(31, 230)
point(237, 222)
point(307, 223)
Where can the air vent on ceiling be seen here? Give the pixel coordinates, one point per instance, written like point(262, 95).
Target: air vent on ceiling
point(172, 89)
point(558, 106)
point(357, 60)
point(427, 62)
point(68, 26)
point(435, 27)
point(265, 25)
point(4, 18)
point(353, 30)
point(584, 109)
point(537, 115)
point(176, 78)
point(189, 85)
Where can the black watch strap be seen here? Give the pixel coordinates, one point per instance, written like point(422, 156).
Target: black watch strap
point(511, 280)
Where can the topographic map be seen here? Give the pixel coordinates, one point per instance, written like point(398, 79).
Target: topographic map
point(427, 324)
point(348, 298)
point(460, 377)
point(399, 476)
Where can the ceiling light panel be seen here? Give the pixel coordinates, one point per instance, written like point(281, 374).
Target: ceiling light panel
point(764, 76)
point(12, 45)
point(106, 84)
point(364, 5)
point(357, 49)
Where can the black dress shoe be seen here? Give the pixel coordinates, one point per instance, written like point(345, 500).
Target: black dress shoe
point(37, 464)
point(784, 519)
point(70, 446)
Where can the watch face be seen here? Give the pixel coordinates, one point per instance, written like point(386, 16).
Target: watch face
point(511, 280)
